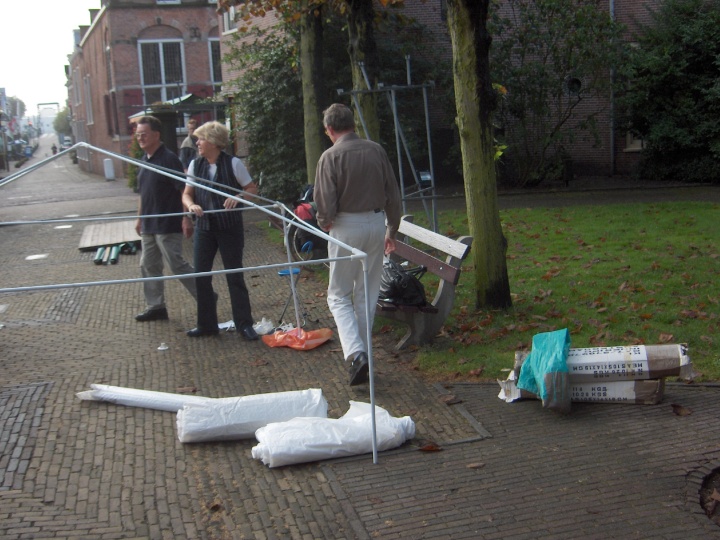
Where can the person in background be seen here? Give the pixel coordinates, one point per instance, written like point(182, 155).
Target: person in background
point(188, 148)
point(219, 231)
point(161, 236)
point(358, 203)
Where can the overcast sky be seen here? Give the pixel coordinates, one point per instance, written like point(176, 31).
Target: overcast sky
point(35, 40)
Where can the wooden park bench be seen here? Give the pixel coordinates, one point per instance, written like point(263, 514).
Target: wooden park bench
point(442, 256)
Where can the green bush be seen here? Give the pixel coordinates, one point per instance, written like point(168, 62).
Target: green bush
point(269, 113)
point(553, 56)
point(671, 95)
point(268, 105)
point(132, 170)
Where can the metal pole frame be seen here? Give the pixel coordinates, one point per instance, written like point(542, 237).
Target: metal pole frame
point(355, 254)
point(391, 94)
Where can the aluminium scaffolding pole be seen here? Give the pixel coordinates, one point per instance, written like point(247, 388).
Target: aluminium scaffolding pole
point(421, 192)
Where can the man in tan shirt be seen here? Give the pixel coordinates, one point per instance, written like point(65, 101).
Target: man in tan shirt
point(358, 203)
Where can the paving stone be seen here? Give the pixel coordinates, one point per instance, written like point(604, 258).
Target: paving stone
point(77, 469)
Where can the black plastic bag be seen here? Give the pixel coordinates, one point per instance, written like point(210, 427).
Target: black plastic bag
point(402, 287)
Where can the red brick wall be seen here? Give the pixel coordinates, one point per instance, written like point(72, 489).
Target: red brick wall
point(119, 27)
point(590, 159)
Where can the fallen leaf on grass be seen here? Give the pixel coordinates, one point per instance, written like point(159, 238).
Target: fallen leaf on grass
point(476, 372)
point(681, 410)
point(665, 338)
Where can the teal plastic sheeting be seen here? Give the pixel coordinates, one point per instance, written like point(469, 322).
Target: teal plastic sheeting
point(545, 370)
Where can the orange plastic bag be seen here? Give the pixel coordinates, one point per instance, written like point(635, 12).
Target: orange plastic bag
point(297, 338)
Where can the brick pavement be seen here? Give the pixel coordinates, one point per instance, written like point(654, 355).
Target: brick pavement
point(73, 469)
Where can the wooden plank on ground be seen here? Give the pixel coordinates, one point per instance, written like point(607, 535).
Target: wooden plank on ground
point(108, 234)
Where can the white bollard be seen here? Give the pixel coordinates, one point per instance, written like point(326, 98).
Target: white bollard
point(109, 169)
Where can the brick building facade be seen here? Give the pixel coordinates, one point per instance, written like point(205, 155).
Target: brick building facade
point(133, 54)
point(617, 153)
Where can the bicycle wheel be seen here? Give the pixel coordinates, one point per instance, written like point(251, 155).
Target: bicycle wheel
point(303, 246)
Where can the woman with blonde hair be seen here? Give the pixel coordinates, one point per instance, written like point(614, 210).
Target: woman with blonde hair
point(218, 231)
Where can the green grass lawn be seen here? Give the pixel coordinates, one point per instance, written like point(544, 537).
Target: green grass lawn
point(613, 275)
point(619, 274)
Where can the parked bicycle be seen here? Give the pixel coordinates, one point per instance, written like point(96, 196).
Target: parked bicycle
point(304, 245)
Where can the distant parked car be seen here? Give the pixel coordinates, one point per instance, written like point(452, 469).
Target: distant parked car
point(66, 143)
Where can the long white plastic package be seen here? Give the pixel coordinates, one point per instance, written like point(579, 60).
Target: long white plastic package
point(310, 439)
point(227, 419)
point(134, 397)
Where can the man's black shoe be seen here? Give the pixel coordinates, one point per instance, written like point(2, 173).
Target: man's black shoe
point(197, 332)
point(158, 314)
point(249, 333)
point(359, 369)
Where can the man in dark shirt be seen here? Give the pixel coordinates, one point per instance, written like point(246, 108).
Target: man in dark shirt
point(161, 236)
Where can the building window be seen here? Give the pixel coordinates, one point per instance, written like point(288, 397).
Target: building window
point(229, 20)
point(168, 1)
point(632, 143)
point(161, 66)
point(215, 65)
point(88, 101)
point(108, 115)
point(76, 90)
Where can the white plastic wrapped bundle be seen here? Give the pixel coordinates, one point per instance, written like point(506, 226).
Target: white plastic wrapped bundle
point(227, 419)
point(133, 397)
point(310, 439)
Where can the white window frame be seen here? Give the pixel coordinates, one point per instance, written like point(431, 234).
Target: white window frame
point(163, 87)
point(229, 24)
point(88, 101)
point(77, 90)
point(167, 1)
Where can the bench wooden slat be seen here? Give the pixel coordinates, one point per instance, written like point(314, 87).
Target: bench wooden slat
point(434, 265)
point(434, 240)
point(382, 305)
point(425, 322)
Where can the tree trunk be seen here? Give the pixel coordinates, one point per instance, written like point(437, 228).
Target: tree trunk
point(362, 48)
point(311, 65)
point(475, 101)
